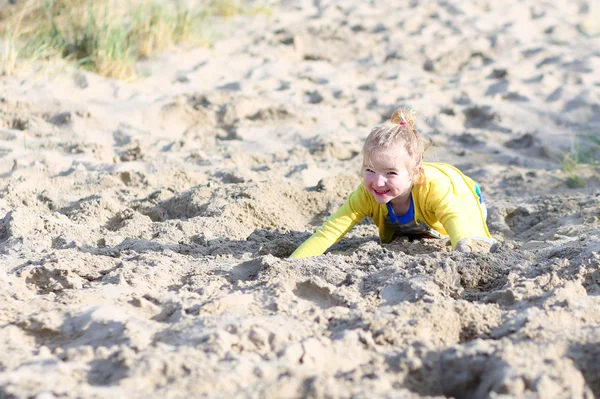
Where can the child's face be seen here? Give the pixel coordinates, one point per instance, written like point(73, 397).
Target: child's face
point(386, 175)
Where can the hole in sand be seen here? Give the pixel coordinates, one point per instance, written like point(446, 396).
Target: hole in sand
point(309, 291)
point(521, 220)
point(106, 372)
point(246, 271)
point(585, 357)
point(399, 292)
point(592, 282)
point(480, 280)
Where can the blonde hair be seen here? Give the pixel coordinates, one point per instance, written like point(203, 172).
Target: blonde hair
point(399, 130)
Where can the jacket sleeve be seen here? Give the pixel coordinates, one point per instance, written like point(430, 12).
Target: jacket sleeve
point(347, 216)
point(458, 210)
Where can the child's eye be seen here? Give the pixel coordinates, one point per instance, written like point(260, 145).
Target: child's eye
point(392, 173)
point(369, 170)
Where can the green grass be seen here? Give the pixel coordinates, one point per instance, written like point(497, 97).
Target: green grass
point(98, 39)
point(105, 36)
point(582, 156)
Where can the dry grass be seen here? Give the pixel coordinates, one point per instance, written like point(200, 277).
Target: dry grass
point(10, 50)
point(10, 53)
point(105, 36)
point(230, 8)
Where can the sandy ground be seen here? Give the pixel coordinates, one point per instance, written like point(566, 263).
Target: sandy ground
point(145, 226)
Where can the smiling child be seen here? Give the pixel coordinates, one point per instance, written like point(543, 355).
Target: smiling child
point(406, 196)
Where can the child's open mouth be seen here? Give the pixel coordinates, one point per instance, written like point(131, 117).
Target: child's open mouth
point(384, 192)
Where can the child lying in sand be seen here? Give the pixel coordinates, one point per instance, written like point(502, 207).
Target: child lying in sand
point(406, 196)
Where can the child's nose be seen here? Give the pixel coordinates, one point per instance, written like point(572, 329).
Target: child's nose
point(380, 180)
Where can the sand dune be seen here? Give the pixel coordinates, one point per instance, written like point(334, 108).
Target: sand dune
point(145, 226)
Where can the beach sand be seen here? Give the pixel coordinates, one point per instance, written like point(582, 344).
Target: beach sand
point(145, 226)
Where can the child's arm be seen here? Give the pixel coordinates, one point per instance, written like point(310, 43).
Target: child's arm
point(458, 209)
point(347, 216)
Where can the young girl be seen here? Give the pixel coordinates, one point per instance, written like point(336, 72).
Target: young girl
point(406, 196)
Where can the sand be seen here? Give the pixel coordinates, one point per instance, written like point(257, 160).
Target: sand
point(145, 226)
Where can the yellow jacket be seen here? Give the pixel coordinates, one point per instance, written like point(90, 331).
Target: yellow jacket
point(446, 202)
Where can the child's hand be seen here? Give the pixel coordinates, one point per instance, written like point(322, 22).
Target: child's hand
point(462, 246)
point(466, 245)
